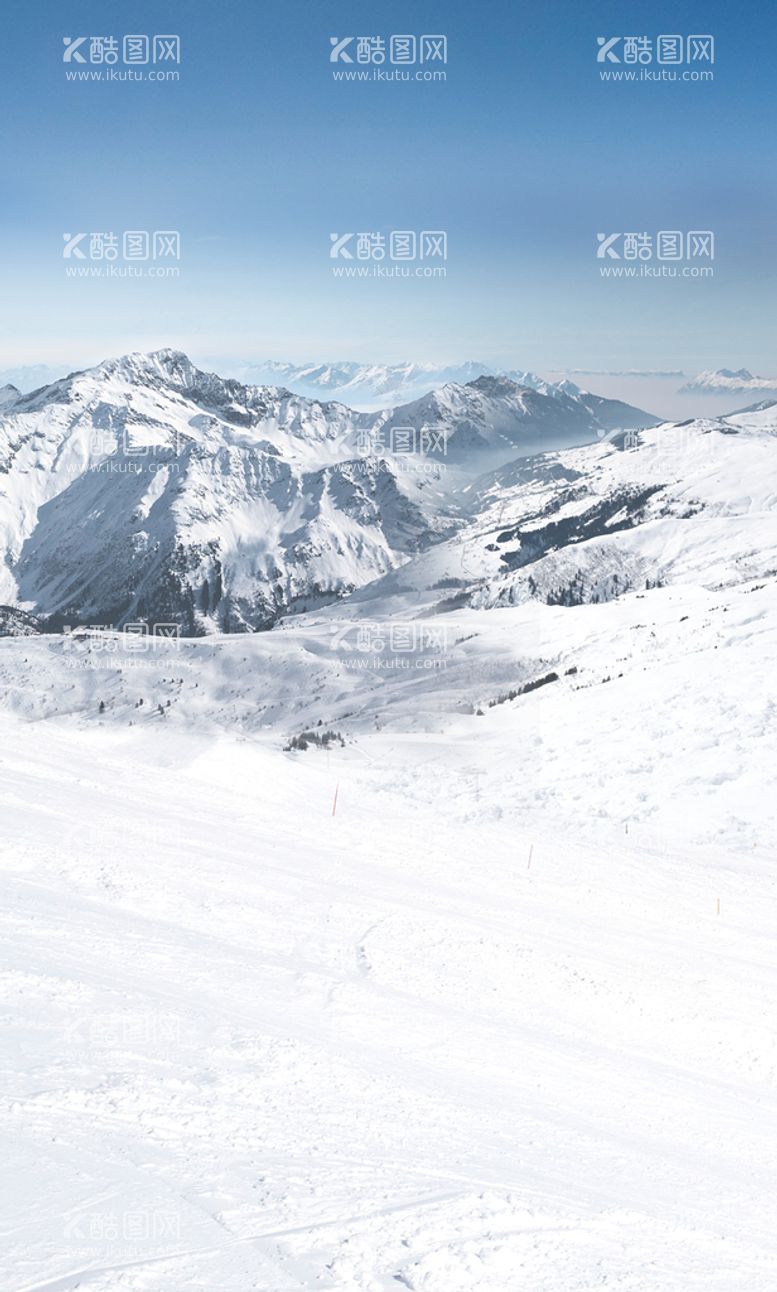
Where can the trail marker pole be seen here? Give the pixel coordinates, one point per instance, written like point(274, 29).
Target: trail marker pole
point(334, 804)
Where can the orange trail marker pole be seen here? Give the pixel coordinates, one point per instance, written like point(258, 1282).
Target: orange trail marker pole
point(334, 804)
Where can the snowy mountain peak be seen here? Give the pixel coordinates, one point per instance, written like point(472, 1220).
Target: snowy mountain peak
point(496, 416)
point(368, 386)
point(148, 489)
point(497, 385)
point(8, 395)
point(167, 367)
point(728, 381)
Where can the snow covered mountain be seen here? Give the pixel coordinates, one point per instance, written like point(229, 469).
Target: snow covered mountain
point(724, 381)
point(372, 387)
point(681, 504)
point(496, 416)
point(145, 488)
point(256, 1045)
point(676, 504)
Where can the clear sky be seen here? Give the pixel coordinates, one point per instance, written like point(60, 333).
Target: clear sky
point(522, 155)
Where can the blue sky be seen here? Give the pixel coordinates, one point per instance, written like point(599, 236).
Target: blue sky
point(256, 155)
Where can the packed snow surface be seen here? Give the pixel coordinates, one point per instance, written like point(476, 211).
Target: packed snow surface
point(331, 1021)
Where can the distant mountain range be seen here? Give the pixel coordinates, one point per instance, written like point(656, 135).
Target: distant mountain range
point(148, 491)
point(724, 381)
point(373, 386)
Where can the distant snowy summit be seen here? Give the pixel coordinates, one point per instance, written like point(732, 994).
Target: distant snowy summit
point(368, 384)
point(374, 385)
point(725, 381)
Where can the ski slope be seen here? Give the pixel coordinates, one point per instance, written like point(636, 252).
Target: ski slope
point(478, 999)
point(252, 1045)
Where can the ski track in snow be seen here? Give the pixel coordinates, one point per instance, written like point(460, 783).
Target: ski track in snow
point(250, 1045)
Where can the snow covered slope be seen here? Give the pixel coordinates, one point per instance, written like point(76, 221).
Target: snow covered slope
point(252, 1045)
point(654, 710)
point(684, 503)
point(691, 503)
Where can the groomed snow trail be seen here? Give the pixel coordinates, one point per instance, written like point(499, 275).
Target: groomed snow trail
point(252, 1045)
